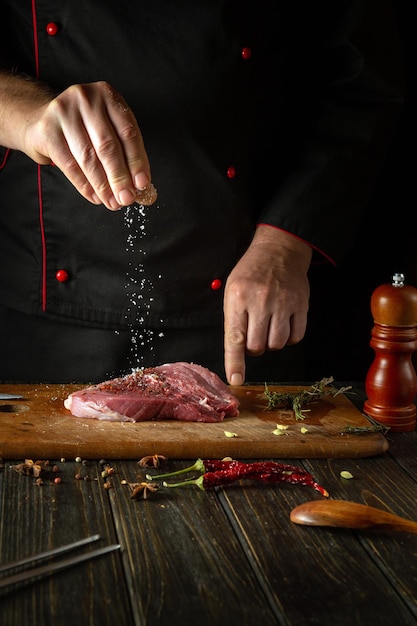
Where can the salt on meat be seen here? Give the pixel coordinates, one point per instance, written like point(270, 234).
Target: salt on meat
point(178, 391)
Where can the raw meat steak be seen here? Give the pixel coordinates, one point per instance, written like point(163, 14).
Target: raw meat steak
point(181, 391)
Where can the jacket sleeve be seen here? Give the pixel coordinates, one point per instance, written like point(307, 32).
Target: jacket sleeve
point(345, 81)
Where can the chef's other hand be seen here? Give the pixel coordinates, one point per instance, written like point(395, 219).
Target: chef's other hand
point(266, 299)
point(90, 133)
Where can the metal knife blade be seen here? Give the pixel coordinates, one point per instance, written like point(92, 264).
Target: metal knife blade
point(10, 396)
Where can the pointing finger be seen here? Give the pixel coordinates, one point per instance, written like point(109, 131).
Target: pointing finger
point(235, 347)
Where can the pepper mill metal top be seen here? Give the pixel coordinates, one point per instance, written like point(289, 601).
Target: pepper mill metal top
point(395, 304)
point(398, 280)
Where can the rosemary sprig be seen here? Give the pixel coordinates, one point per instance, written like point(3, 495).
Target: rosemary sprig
point(298, 399)
point(360, 430)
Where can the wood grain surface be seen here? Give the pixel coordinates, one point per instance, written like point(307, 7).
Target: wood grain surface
point(38, 426)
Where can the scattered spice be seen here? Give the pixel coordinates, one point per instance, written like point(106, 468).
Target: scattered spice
point(346, 474)
point(31, 468)
point(153, 460)
point(81, 473)
point(230, 434)
point(142, 490)
point(299, 399)
point(40, 470)
point(108, 471)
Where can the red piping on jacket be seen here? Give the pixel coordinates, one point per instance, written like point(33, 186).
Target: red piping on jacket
point(40, 198)
point(35, 37)
point(323, 254)
point(6, 154)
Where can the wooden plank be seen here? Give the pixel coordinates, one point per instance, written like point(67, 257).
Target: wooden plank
point(37, 518)
point(394, 552)
point(39, 426)
point(346, 577)
point(185, 564)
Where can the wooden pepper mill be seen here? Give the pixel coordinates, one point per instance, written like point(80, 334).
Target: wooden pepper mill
point(391, 382)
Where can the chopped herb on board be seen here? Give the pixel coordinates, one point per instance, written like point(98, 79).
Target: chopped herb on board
point(374, 427)
point(297, 400)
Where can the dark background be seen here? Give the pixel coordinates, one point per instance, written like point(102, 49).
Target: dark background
point(340, 320)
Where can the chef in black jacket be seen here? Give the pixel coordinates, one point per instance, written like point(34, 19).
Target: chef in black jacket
point(262, 131)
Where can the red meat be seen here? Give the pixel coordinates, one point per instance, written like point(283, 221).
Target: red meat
point(181, 391)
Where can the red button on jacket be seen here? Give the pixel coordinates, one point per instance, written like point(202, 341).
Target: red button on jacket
point(246, 53)
point(62, 276)
point(52, 28)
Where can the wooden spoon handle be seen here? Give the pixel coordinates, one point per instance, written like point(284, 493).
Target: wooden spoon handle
point(344, 514)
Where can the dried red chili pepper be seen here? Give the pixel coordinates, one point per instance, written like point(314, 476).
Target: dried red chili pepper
point(214, 465)
point(252, 471)
point(208, 480)
point(301, 479)
point(259, 467)
point(201, 465)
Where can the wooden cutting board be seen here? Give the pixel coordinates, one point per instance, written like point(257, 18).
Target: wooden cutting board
point(39, 427)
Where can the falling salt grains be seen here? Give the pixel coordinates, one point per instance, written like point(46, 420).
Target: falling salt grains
point(139, 287)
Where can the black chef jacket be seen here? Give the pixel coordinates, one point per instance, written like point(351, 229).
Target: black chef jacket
point(251, 112)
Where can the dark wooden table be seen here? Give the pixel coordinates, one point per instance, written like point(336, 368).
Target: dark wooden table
point(227, 556)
